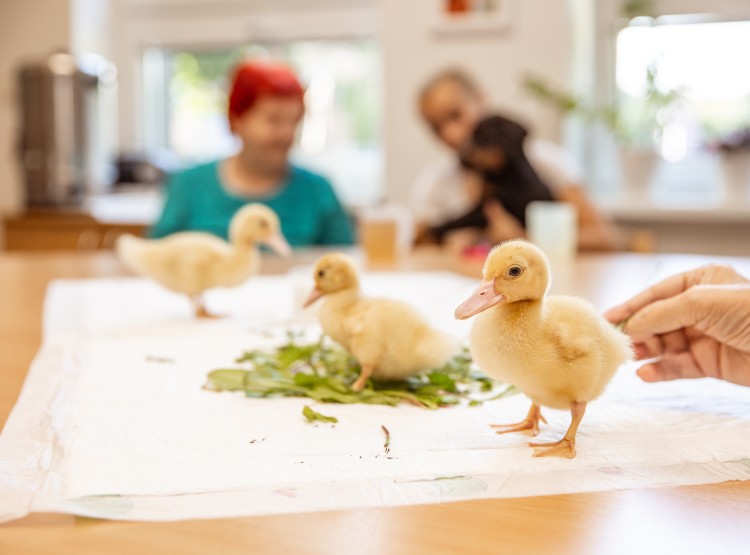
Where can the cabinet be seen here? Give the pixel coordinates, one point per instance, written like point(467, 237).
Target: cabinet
point(62, 230)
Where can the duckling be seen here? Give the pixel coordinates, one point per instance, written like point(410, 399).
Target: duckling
point(388, 338)
point(556, 349)
point(192, 262)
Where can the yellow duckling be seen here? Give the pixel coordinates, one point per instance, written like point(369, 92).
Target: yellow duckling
point(388, 338)
point(557, 350)
point(192, 262)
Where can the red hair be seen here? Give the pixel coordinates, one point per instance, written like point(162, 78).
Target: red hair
point(254, 80)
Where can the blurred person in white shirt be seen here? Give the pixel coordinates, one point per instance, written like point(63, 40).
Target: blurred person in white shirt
point(447, 190)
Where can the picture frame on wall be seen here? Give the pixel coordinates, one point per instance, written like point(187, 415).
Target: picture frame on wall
point(471, 16)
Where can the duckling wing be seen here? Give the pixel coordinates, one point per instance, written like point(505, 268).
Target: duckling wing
point(189, 270)
point(587, 348)
point(570, 326)
point(355, 324)
point(576, 329)
point(376, 318)
point(363, 341)
point(396, 338)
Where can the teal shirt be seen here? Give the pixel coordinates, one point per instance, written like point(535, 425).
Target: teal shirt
point(309, 211)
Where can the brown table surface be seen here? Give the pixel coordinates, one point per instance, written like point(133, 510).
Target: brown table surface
point(697, 519)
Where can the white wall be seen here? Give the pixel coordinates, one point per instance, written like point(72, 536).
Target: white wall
point(92, 27)
point(535, 41)
point(93, 31)
point(182, 23)
point(28, 29)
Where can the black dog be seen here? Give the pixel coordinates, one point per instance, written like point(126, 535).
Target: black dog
point(495, 152)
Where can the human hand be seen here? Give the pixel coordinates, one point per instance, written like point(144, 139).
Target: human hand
point(695, 324)
point(501, 224)
point(457, 241)
point(474, 187)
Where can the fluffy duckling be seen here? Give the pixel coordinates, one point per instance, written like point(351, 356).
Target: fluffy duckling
point(388, 338)
point(557, 350)
point(192, 262)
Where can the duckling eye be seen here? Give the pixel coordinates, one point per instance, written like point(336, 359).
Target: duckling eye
point(263, 224)
point(321, 273)
point(515, 271)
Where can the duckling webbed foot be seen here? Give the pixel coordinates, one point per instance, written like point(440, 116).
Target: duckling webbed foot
point(359, 384)
point(200, 310)
point(529, 425)
point(203, 313)
point(566, 447)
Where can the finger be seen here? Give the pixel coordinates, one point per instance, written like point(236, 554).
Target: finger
point(663, 316)
point(652, 347)
point(712, 273)
point(674, 342)
point(492, 209)
point(672, 367)
point(670, 287)
point(664, 289)
point(651, 373)
point(719, 311)
point(617, 314)
point(640, 351)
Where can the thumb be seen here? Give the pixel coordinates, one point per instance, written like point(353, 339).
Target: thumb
point(661, 317)
point(714, 310)
point(493, 208)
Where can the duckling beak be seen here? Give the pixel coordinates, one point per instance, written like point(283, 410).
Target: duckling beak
point(279, 244)
point(314, 295)
point(483, 298)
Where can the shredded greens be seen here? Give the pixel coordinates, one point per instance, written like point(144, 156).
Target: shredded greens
point(620, 326)
point(160, 360)
point(324, 371)
point(313, 416)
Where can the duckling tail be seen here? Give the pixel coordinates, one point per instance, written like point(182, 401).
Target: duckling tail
point(435, 348)
point(129, 249)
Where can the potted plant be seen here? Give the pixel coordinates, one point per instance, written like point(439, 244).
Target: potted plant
point(636, 123)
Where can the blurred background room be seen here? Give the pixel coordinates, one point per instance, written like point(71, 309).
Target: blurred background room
point(101, 100)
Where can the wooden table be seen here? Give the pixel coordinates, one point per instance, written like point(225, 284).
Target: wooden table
point(701, 519)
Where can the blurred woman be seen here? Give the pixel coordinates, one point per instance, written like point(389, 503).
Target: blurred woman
point(495, 172)
point(266, 104)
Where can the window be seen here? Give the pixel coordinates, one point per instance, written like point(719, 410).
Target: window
point(340, 136)
point(689, 55)
point(702, 64)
